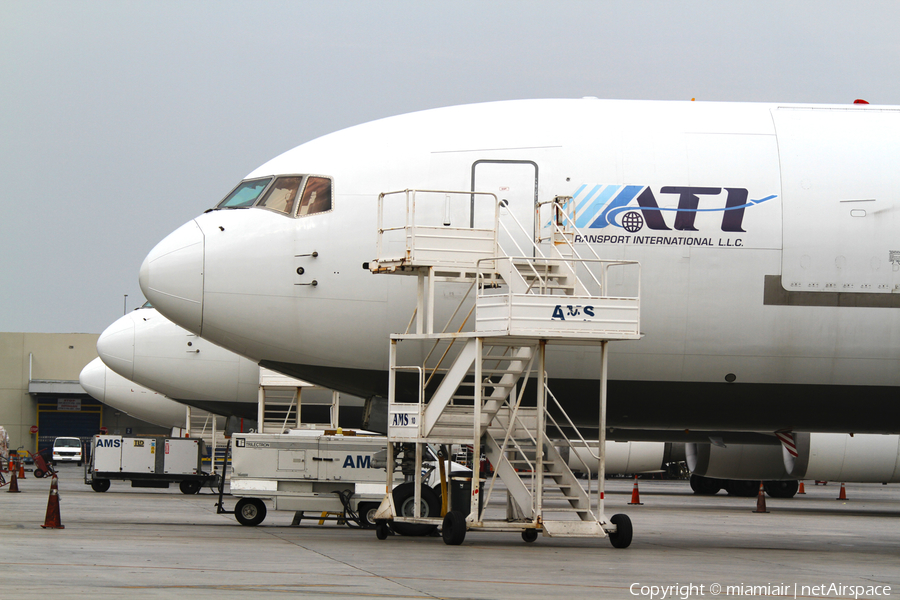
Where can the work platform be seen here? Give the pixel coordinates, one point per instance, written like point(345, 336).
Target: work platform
point(482, 382)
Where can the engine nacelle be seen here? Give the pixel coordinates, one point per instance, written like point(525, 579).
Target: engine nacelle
point(737, 461)
point(862, 458)
point(621, 457)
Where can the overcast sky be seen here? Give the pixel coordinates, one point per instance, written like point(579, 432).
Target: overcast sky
point(119, 121)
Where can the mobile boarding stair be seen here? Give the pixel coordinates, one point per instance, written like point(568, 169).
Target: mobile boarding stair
point(465, 385)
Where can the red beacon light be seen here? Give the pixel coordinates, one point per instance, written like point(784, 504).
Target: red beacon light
point(860, 101)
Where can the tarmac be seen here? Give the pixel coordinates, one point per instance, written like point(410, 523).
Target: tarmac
point(140, 543)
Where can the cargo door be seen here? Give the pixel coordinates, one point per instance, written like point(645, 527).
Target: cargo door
point(515, 182)
point(138, 455)
point(182, 457)
point(107, 453)
point(839, 186)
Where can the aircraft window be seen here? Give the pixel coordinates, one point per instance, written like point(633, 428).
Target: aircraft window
point(245, 194)
point(146, 304)
point(282, 194)
point(316, 196)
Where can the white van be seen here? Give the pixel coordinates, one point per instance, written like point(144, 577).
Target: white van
point(67, 449)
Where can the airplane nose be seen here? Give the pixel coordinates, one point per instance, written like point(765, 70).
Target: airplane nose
point(116, 347)
point(93, 379)
point(172, 276)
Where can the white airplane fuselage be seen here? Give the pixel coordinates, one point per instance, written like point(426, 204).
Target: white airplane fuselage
point(767, 237)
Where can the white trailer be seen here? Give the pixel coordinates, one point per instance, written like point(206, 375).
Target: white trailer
point(307, 471)
point(146, 462)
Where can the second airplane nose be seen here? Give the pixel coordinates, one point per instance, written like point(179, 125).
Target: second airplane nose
point(116, 347)
point(172, 276)
point(93, 379)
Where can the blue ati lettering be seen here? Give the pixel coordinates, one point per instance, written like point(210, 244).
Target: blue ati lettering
point(109, 443)
point(633, 207)
point(561, 313)
point(362, 462)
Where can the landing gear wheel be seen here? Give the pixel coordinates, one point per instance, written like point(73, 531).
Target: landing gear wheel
point(366, 511)
point(781, 489)
point(529, 535)
point(250, 511)
point(705, 486)
point(404, 500)
point(454, 528)
point(624, 532)
point(189, 486)
point(741, 488)
point(38, 473)
point(100, 485)
point(382, 531)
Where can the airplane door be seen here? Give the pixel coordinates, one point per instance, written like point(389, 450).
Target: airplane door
point(840, 199)
point(516, 183)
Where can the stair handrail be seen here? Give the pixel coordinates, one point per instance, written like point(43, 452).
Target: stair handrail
point(513, 418)
point(566, 227)
point(410, 222)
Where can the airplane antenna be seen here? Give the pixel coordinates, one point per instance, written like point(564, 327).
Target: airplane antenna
point(125, 305)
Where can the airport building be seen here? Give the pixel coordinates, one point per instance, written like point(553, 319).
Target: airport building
point(40, 397)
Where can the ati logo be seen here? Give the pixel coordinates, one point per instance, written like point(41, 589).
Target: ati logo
point(362, 462)
point(572, 311)
point(403, 420)
point(637, 206)
point(109, 443)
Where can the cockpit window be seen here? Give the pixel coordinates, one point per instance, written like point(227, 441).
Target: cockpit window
point(316, 197)
point(282, 195)
point(245, 194)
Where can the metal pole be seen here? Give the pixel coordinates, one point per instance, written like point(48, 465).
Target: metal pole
point(601, 467)
point(476, 433)
point(539, 450)
point(261, 410)
point(125, 305)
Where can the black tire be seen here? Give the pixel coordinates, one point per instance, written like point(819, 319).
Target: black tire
point(190, 486)
point(454, 528)
point(250, 511)
point(382, 531)
point(38, 473)
point(741, 488)
point(100, 485)
point(529, 535)
point(705, 486)
point(781, 489)
point(366, 512)
point(624, 531)
point(404, 502)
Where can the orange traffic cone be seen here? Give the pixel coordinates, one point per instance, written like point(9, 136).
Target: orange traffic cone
point(21, 470)
point(761, 500)
point(802, 489)
point(13, 483)
point(843, 494)
point(51, 521)
point(635, 494)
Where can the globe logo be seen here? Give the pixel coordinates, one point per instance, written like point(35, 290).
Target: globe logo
point(632, 221)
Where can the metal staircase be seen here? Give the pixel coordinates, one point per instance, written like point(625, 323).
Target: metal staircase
point(281, 402)
point(472, 381)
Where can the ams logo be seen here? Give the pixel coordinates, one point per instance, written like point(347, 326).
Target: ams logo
point(403, 420)
point(109, 443)
point(560, 313)
point(362, 462)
